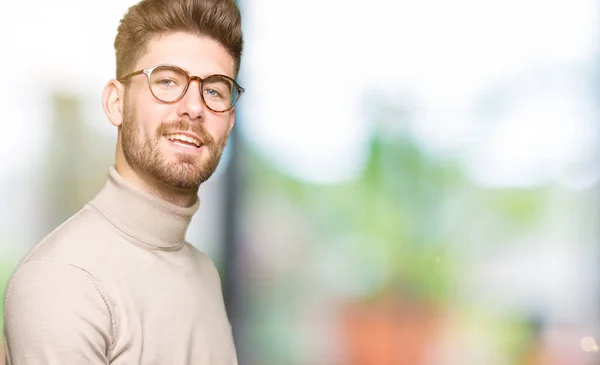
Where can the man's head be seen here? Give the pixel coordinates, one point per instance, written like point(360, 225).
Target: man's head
point(159, 135)
point(219, 20)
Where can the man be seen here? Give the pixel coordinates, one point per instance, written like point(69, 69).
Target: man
point(117, 283)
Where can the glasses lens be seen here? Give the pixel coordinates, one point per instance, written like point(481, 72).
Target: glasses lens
point(219, 92)
point(168, 83)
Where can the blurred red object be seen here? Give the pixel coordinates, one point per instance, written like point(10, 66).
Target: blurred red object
point(388, 332)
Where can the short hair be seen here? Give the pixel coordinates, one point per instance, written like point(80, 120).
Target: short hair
point(219, 20)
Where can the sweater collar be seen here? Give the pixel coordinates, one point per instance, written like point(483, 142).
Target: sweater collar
point(142, 216)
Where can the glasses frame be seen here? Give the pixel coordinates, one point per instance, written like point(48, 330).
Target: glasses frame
point(148, 72)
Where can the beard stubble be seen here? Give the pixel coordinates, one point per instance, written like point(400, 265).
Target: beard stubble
point(184, 171)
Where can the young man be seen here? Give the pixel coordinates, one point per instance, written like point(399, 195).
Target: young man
point(117, 283)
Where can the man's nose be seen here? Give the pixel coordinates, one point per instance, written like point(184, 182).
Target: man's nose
point(191, 104)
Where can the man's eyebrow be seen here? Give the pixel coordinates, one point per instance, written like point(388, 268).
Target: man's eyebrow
point(206, 74)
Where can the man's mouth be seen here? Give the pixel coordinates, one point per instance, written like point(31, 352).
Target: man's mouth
point(184, 140)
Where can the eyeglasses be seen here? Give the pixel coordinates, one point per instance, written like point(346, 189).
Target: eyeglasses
point(169, 84)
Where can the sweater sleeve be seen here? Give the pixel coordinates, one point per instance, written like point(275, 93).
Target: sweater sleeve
point(56, 314)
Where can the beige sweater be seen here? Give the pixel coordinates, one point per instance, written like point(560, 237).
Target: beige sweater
point(118, 284)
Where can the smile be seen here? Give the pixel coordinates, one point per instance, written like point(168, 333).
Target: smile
point(184, 140)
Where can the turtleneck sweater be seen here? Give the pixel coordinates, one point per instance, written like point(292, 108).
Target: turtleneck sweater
point(118, 284)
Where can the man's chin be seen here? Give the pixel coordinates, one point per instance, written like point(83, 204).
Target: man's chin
point(184, 175)
point(184, 171)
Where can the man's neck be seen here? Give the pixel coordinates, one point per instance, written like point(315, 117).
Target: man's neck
point(180, 197)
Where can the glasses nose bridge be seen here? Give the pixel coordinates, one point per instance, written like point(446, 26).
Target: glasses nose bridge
point(197, 78)
point(200, 86)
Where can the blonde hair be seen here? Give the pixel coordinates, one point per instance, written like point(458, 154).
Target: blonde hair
point(219, 20)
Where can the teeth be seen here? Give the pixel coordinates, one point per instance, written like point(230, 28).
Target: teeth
point(183, 138)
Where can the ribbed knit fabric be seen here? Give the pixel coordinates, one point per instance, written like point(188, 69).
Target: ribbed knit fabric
point(118, 284)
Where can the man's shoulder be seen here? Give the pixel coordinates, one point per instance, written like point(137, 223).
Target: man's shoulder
point(69, 238)
point(200, 259)
point(73, 245)
point(199, 256)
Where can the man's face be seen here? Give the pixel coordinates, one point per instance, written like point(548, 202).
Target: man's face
point(151, 130)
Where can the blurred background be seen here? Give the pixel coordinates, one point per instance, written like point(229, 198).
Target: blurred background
point(409, 181)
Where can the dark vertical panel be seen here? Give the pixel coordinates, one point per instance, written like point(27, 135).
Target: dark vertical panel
point(232, 234)
point(231, 225)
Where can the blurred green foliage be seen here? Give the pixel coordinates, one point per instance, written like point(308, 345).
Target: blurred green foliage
point(404, 227)
point(402, 216)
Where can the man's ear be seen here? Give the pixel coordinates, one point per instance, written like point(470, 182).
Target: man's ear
point(113, 98)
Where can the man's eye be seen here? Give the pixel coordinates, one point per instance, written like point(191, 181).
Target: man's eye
point(166, 82)
point(212, 93)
